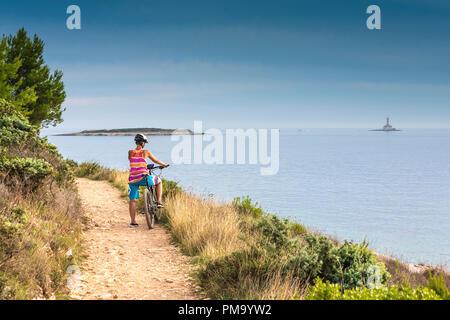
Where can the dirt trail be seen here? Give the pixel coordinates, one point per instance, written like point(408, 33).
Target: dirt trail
point(124, 262)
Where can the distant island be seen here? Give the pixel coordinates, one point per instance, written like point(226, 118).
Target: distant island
point(387, 127)
point(129, 132)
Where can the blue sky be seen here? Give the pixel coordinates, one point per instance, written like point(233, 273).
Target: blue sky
point(277, 64)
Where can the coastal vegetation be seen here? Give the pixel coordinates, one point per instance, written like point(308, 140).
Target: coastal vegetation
point(242, 252)
point(329, 291)
point(40, 212)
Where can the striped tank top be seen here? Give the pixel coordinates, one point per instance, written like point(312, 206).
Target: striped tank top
point(138, 166)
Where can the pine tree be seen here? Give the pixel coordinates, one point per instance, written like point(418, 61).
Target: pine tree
point(9, 81)
point(46, 109)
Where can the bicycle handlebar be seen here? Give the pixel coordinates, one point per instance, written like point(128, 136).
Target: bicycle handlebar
point(152, 166)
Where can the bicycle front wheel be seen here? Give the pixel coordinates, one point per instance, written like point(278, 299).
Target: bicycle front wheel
point(149, 209)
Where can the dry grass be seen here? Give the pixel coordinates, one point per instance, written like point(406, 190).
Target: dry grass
point(277, 287)
point(36, 233)
point(402, 272)
point(203, 228)
point(119, 179)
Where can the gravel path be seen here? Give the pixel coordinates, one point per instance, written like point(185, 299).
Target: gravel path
point(124, 262)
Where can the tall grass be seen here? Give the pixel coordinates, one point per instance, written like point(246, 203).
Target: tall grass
point(39, 239)
point(203, 227)
point(276, 287)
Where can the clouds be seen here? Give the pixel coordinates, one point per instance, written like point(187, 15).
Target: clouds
point(233, 94)
point(87, 101)
point(246, 63)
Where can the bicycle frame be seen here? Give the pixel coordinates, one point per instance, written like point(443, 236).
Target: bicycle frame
point(151, 211)
point(150, 188)
point(150, 168)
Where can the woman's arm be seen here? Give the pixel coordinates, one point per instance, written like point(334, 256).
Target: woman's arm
point(155, 159)
point(129, 154)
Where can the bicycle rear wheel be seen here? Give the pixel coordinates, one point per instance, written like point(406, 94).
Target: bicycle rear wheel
point(149, 209)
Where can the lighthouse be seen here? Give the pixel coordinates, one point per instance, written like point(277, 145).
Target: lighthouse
point(387, 126)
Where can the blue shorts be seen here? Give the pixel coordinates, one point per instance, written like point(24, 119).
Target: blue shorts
point(133, 188)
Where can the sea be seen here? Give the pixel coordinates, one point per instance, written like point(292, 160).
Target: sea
point(390, 189)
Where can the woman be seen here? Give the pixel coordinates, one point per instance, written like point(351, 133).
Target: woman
point(139, 174)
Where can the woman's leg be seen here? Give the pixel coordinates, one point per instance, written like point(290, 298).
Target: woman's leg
point(133, 211)
point(159, 192)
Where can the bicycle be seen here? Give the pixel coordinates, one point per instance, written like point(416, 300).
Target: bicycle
point(151, 211)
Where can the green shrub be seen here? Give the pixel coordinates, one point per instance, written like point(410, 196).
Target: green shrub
point(358, 265)
point(275, 231)
point(244, 206)
point(10, 288)
point(11, 223)
point(170, 188)
point(347, 264)
point(437, 284)
point(14, 127)
point(25, 157)
point(30, 171)
point(19, 215)
point(297, 229)
point(64, 174)
point(87, 169)
point(329, 291)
